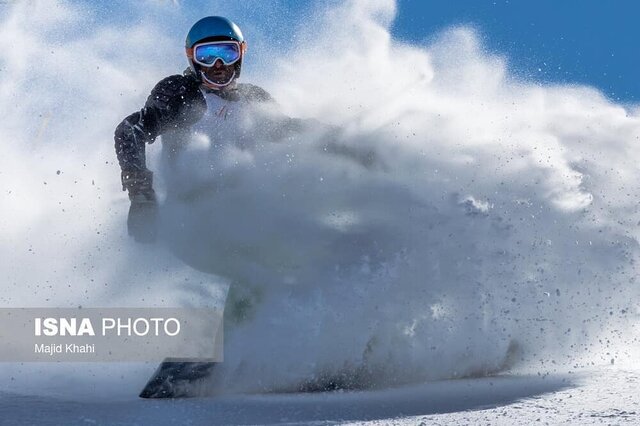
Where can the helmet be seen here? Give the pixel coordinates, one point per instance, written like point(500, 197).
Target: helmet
point(214, 28)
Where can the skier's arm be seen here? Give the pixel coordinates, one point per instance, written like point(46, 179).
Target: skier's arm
point(174, 102)
point(130, 138)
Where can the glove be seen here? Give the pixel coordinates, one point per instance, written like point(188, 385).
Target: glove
point(139, 183)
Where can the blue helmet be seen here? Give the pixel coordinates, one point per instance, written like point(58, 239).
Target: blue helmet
point(214, 28)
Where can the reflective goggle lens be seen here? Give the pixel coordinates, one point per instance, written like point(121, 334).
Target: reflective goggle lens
point(207, 54)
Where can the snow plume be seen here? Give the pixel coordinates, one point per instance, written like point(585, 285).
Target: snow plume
point(440, 219)
point(459, 223)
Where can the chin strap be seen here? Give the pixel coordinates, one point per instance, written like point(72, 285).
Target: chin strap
point(216, 86)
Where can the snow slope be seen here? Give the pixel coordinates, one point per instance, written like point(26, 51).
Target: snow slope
point(603, 396)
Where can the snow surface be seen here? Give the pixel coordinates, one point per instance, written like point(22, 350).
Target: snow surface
point(604, 396)
point(428, 222)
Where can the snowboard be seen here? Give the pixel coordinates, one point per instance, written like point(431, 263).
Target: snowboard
point(177, 379)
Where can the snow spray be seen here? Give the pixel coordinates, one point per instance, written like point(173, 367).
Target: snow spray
point(434, 216)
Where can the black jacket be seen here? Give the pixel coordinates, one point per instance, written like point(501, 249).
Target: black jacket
point(175, 103)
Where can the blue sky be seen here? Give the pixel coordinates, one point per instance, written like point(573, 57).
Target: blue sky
point(592, 42)
point(582, 41)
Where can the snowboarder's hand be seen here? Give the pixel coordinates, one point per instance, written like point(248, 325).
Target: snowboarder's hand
point(139, 183)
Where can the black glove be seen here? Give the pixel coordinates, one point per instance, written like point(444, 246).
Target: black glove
point(139, 183)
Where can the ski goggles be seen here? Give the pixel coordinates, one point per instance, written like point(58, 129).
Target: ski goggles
point(206, 54)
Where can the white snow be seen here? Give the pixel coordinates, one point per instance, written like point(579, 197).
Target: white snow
point(603, 396)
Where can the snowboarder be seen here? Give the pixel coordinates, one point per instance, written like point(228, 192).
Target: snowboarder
point(215, 49)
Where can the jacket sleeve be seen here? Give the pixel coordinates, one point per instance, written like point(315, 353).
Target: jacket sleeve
point(131, 135)
point(175, 102)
